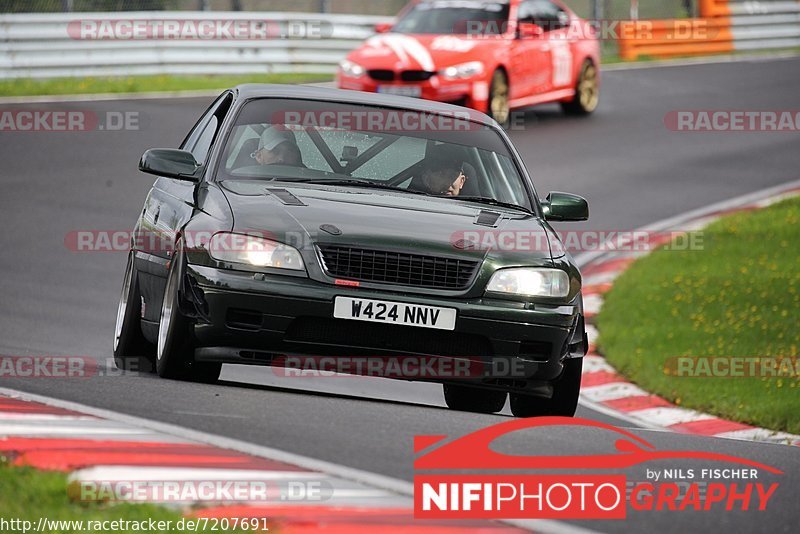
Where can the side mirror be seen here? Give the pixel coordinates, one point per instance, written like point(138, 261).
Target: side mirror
point(383, 27)
point(529, 30)
point(565, 207)
point(170, 162)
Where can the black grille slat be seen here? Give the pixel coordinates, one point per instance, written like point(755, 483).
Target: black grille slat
point(397, 268)
point(382, 75)
point(416, 75)
point(386, 75)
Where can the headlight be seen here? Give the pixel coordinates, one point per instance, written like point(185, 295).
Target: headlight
point(464, 70)
point(530, 282)
point(256, 251)
point(351, 69)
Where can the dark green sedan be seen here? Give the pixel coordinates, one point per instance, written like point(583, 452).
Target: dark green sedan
point(325, 230)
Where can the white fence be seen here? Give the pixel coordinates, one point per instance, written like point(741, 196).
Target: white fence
point(50, 45)
point(765, 24)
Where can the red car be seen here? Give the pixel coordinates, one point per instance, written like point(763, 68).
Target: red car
point(490, 55)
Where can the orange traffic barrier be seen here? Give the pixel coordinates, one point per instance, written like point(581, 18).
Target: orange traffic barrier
point(710, 34)
point(714, 8)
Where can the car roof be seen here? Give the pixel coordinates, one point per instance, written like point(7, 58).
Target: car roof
point(316, 92)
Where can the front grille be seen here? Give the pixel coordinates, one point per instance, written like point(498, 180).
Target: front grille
point(382, 75)
point(416, 75)
point(397, 267)
point(355, 338)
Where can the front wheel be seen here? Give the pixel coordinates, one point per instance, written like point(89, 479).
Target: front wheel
point(499, 99)
point(587, 92)
point(469, 399)
point(564, 401)
point(132, 352)
point(175, 350)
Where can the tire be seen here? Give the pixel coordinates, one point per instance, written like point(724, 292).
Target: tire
point(499, 92)
point(476, 400)
point(587, 92)
point(175, 349)
point(132, 352)
point(564, 401)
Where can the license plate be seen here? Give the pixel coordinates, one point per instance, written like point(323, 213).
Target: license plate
point(401, 90)
point(379, 311)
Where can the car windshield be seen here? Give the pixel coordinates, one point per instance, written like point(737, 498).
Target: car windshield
point(372, 147)
point(455, 17)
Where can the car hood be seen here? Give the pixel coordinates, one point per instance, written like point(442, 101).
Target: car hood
point(397, 51)
point(303, 214)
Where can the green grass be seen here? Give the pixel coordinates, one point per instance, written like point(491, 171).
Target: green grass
point(28, 494)
point(136, 84)
point(739, 296)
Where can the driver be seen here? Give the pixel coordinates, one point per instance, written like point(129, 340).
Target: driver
point(278, 146)
point(445, 178)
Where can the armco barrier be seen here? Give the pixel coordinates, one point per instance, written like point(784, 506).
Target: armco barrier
point(41, 45)
point(724, 26)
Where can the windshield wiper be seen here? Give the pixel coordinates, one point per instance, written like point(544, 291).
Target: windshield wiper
point(356, 182)
point(494, 202)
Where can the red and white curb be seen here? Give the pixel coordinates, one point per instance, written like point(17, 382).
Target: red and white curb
point(48, 434)
point(605, 389)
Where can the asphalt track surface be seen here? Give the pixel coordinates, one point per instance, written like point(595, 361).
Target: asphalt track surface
point(632, 169)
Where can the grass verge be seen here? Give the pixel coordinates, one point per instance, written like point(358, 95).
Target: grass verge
point(138, 84)
point(26, 495)
point(739, 296)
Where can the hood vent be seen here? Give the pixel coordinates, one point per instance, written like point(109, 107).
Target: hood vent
point(488, 218)
point(286, 197)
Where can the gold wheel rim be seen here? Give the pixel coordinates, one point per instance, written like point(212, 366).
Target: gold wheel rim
point(499, 103)
point(588, 88)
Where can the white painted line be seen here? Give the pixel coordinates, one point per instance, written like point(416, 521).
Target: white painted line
point(612, 391)
point(113, 473)
point(709, 60)
point(29, 430)
point(668, 416)
point(592, 334)
point(610, 412)
point(699, 224)
point(43, 417)
point(600, 278)
point(596, 364)
point(349, 493)
point(592, 304)
point(760, 434)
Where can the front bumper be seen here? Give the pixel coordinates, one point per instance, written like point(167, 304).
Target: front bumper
point(472, 93)
point(256, 318)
